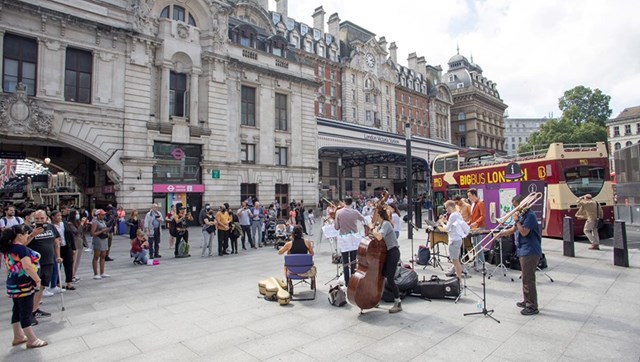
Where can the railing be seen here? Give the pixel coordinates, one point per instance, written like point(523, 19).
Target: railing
point(282, 63)
point(629, 213)
point(249, 54)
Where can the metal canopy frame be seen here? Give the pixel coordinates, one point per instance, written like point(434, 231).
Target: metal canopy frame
point(353, 157)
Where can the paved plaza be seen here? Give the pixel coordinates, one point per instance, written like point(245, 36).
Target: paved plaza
point(209, 309)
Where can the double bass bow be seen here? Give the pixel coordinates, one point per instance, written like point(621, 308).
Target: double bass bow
point(367, 282)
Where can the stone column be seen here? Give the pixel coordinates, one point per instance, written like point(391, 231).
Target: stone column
point(1, 63)
point(193, 97)
point(164, 93)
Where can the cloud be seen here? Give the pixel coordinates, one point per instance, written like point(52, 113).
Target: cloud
point(534, 49)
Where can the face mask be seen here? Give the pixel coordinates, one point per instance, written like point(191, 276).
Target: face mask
point(77, 216)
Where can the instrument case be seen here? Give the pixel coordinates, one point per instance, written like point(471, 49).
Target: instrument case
point(436, 288)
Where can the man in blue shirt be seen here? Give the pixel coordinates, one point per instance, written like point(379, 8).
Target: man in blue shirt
point(529, 243)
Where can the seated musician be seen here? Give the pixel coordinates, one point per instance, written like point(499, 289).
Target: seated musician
point(456, 234)
point(297, 245)
point(385, 232)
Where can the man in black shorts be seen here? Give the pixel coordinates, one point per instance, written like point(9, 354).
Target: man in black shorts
point(46, 241)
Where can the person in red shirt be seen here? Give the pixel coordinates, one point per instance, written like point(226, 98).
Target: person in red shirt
point(478, 221)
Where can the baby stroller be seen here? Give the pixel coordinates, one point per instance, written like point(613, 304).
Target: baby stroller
point(270, 229)
point(281, 234)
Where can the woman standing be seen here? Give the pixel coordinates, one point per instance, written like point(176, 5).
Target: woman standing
point(134, 224)
point(76, 225)
point(235, 231)
point(179, 224)
point(22, 281)
point(100, 235)
point(396, 220)
point(67, 248)
point(168, 219)
point(386, 233)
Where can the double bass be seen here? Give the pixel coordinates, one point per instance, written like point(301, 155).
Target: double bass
point(367, 282)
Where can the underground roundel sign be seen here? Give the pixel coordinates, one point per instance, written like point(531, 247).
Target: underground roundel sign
point(177, 153)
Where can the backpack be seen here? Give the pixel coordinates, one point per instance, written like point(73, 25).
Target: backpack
point(18, 219)
point(337, 296)
point(424, 254)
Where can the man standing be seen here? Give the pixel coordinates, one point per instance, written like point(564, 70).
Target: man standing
point(152, 222)
point(529, 248)
point(110, 219)
point(46, 241)
point(478, 221)
point(256, 223)
point(244, 217)
point(592, 212)
point(349, 237)
point(9, 219)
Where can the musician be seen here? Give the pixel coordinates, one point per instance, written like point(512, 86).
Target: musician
point(385, 232)
point(464, 208)
point(478, 221)
point(529, 249)
point(367, 213)
point(590, 211)
point(456, 234)
point(349, 238)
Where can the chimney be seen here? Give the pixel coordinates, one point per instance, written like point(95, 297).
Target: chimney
point(422, 66)
point(318, 18)
point(334, 26)
point(282, 6)
point(383, 43)
point(412, 61)
point(393, 52)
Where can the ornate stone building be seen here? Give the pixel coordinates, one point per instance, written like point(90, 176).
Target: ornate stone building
point(518, 131)
point(477, 114)
point(160, 100)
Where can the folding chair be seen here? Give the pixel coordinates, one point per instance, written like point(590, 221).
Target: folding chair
point(300, 270)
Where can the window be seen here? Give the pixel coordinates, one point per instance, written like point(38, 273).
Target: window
point(348, 172)
point(367, 98)
point(627, 129)
point(353, 78)
point(20, 61)
point(637, 128)
point(333, 169)
point(281, 112)
point(386, 89)
point(367, 83)
point(363, 185)
point(321, 51)
point(178, 95)
point(333, 74)
point(77, 76)
point(247, 190)
point(281, 156)
point(165, 12)
point(513, 146)
point(353, 94)
point(616, 131)
point(617, 146)
point(398, 173)
point(294, 41)
point(321, 71)
point(348, 185)
point(308, 46)
point(363, 171)
point(376, 171)
point(584, 180)
point(355, 113)
point(388, 105)
point(245, 40)
point(463, 141)
point(461, 116)
point(334, 55)
point(178, 13)
point(438, 165)
point(320, 168)
point(247, 153)
point(168, 169)
point(334, 110)
point(629, 143)
point(192, 21)
point(368, 116)
point(462, 127)
point(333, 91)
point(248, 106)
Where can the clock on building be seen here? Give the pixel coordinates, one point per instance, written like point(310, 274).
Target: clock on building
point(371, 61)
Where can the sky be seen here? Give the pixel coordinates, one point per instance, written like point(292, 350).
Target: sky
point(534, 50)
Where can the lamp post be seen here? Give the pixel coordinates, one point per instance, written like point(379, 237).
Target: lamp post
point(340, 178)
point(407, 132)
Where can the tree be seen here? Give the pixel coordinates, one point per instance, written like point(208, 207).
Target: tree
point(584, 113)
point(581, 105)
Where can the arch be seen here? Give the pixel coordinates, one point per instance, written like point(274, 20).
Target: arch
point(256, 14)
point(199, 9)
point(182, 62)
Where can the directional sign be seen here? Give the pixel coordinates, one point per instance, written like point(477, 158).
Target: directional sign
point(215, 174)
point(13, 155)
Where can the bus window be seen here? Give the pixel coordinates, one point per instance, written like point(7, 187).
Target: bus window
point(438, 165)
point(584, 180)
point(451, 163)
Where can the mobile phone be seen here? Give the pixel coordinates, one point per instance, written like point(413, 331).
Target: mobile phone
point(40, 225)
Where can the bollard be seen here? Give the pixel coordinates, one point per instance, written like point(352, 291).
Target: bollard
point(620, 248)
point(568, 248)
point(418, 214)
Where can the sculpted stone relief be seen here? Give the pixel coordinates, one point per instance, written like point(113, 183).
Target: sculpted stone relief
point(21, 115)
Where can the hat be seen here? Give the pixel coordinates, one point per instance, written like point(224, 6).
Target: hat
point(226, 205)
point(587, 196)
point(100, 212)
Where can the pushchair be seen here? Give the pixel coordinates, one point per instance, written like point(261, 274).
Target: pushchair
point(270, 229)
point(281, 234)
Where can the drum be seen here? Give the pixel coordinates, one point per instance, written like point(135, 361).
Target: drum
point(329, 231)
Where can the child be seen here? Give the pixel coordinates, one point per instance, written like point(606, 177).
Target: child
point(140, 248)
point(310, 218)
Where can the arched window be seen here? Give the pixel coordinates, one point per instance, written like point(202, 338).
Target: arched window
point(178, 13)
point(629, 143)
point(367, 83)
point(617, 146)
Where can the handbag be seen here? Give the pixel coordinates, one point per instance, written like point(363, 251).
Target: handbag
point(210, 229)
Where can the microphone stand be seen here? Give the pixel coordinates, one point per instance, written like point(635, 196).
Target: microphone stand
point(413, 227)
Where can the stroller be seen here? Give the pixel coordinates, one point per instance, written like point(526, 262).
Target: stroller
point(281, 234)
point(270, 229)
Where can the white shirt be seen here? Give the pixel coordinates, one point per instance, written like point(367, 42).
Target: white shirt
point(397, 222)
point(60, 228)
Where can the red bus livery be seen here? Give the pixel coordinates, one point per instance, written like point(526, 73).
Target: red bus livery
point(563, 172)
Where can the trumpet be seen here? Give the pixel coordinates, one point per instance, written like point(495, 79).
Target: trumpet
point(490, 238)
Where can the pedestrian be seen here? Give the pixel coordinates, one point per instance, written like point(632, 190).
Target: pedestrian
point(134, 224)
point(256, 223)
point(209, 231)
point(100, 237)
point(45, 240)
point(223, 221)
point(167, 220)
point(591, 212)
point(22, 282)
point(111, 222)
point(203, 212)
point(244, 218)
point(67, 247)
point(77, 224)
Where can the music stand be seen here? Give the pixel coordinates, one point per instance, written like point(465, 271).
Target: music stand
point(500, 266)
point(485, 312)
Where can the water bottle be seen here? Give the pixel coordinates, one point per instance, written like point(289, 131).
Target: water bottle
point(479, 305)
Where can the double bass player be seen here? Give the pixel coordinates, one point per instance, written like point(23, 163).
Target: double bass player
point(386, 232)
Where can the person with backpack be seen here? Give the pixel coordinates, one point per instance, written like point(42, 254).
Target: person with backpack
point(457, 230)
point(152, 223)
point(10, 219)
point(178, 227)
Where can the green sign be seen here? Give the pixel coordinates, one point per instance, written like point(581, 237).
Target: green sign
point(215, 173)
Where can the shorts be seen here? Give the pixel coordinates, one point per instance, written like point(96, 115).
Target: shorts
point(455, 248)
point(45, 273)
point(100, 244)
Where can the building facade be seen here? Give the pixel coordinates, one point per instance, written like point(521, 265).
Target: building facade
point(518, 130)
point(477, 114)
point(624, 130)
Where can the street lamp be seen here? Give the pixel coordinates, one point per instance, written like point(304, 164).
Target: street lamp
point(340, 177)
point(407, 131)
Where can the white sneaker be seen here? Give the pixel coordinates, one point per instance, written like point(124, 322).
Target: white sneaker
point(46, 293)
point(88, 249)
point(106, 275)
point(97, 277)
point(57, 290)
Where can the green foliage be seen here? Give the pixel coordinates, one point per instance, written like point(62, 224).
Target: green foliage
point(582, 105)
point(584, 113)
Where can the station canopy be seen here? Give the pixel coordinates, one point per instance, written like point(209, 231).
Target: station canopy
point(353, 157)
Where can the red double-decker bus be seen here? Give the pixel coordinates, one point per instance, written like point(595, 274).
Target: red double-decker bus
point(563, 173)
